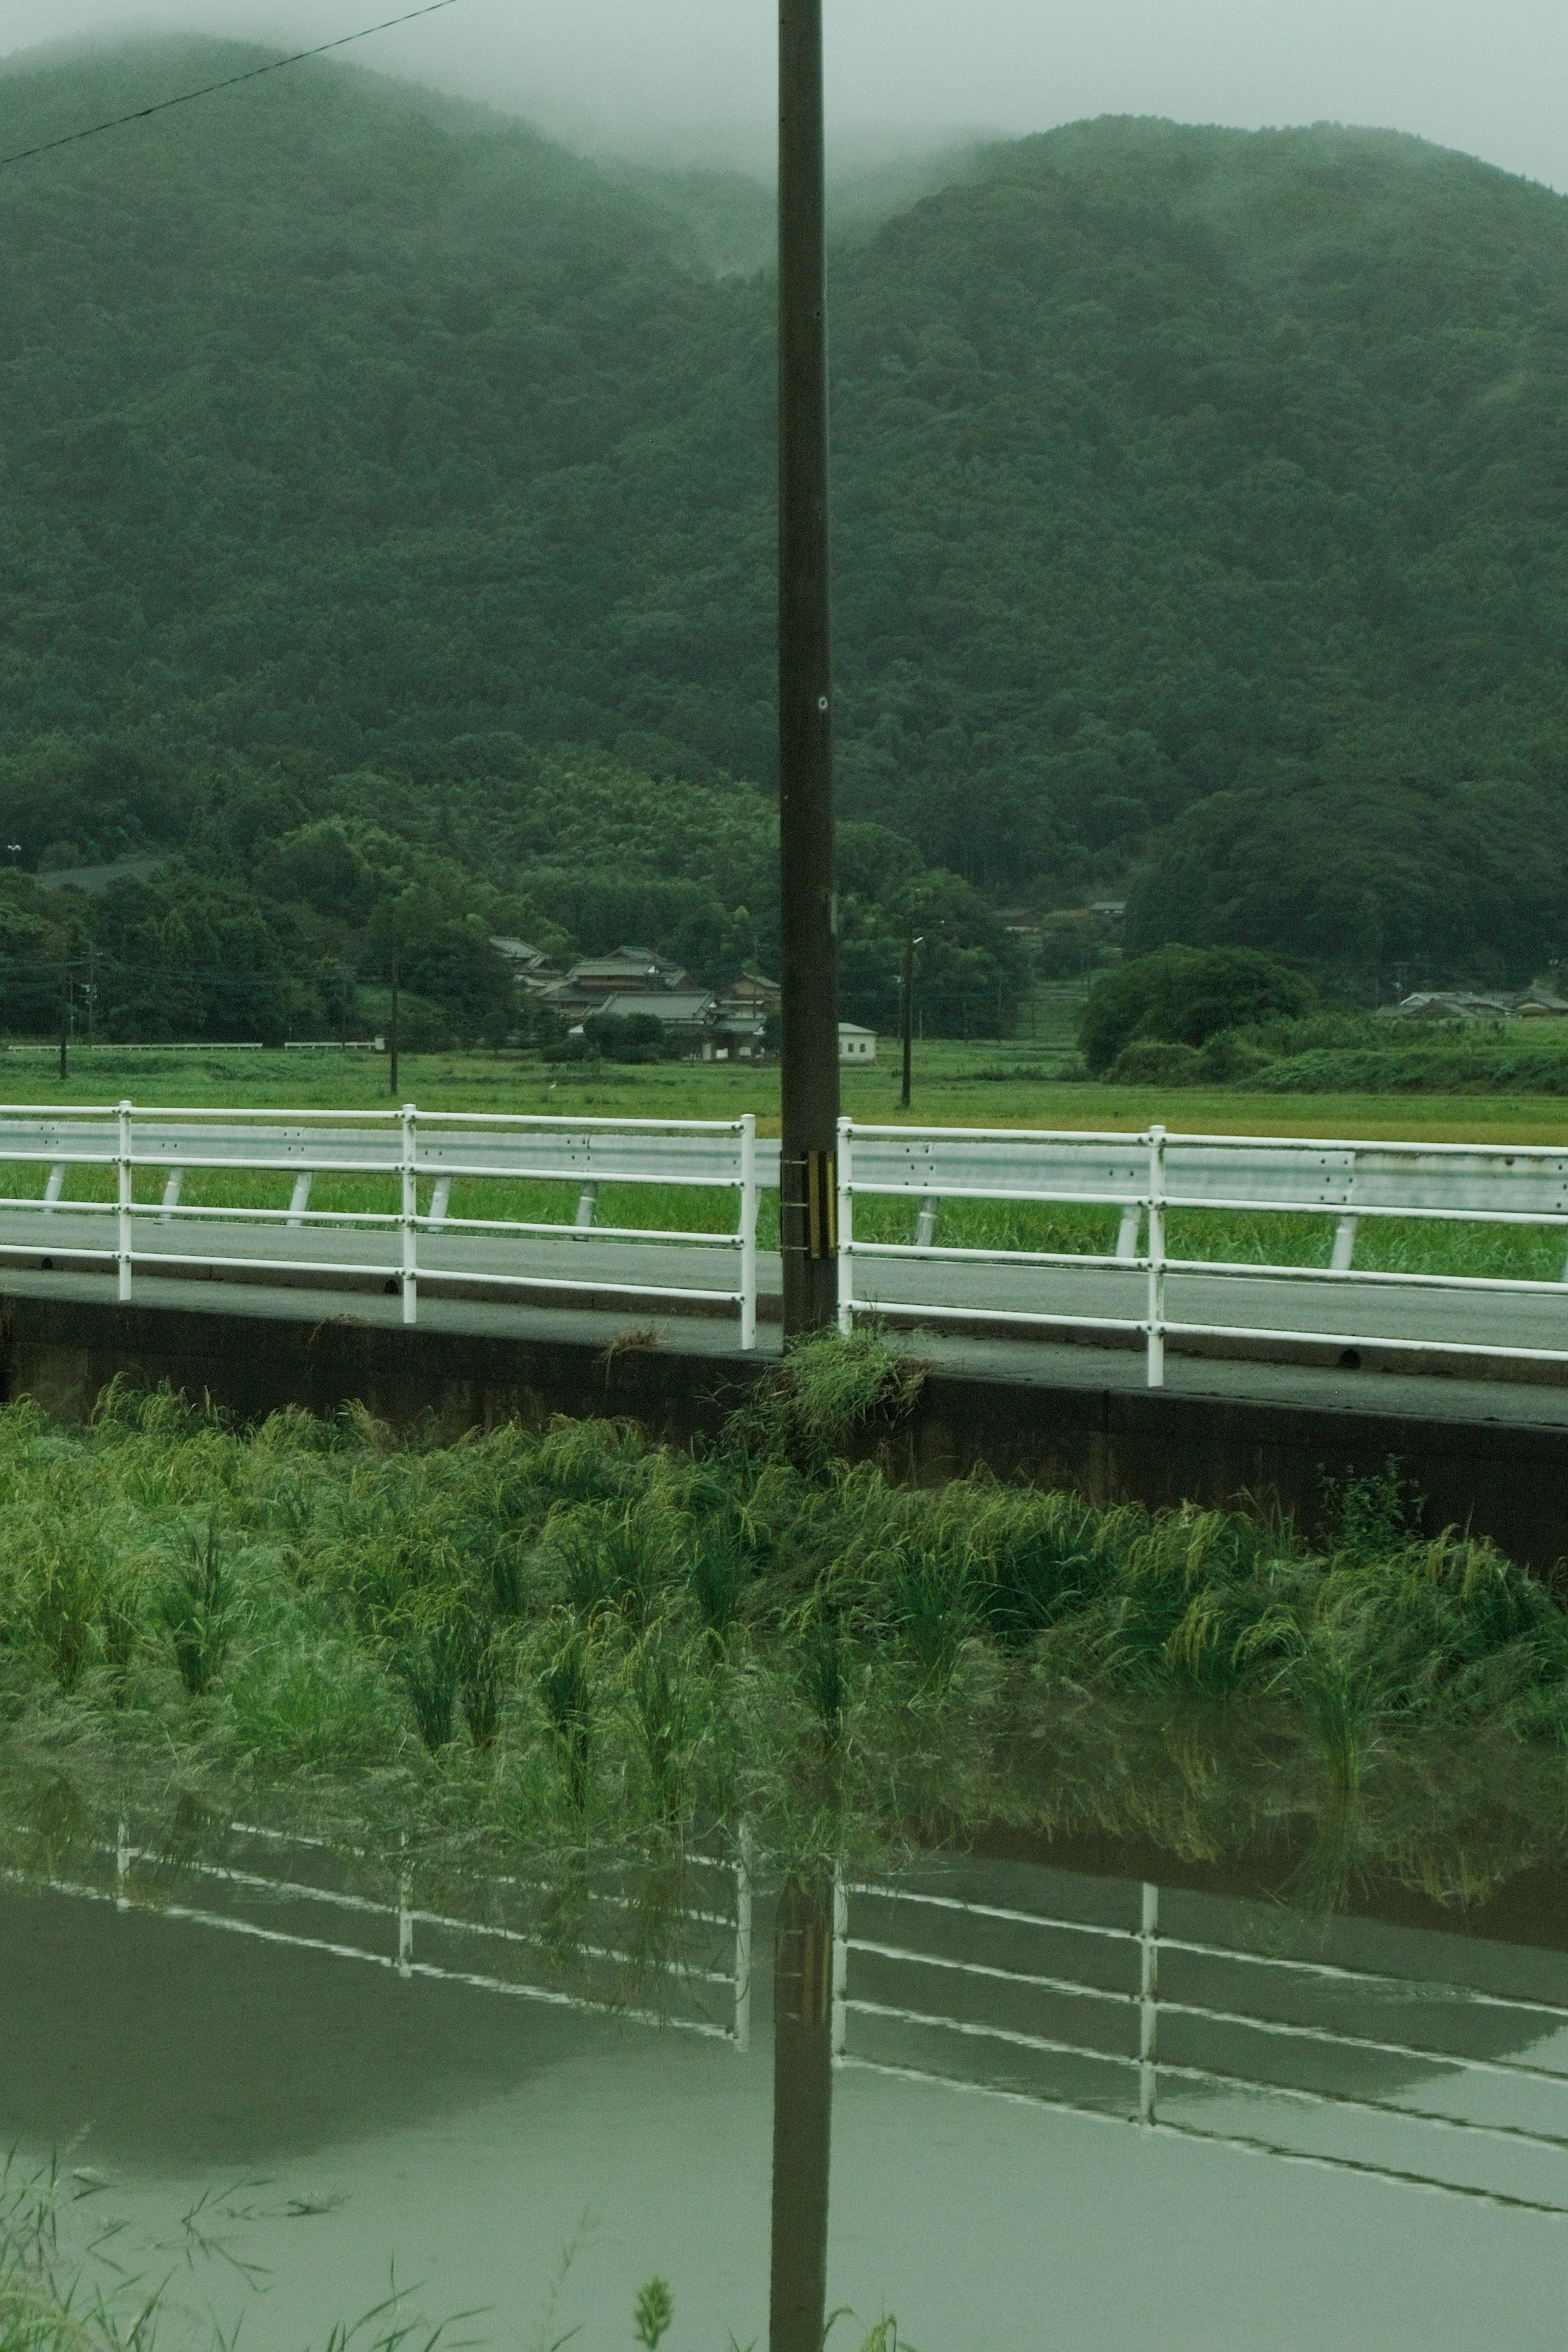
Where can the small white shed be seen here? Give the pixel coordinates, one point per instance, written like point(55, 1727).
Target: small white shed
point(855, 1043)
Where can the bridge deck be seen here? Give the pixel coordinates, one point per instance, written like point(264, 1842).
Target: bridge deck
point(1403, 1314)
point(1385, 1389)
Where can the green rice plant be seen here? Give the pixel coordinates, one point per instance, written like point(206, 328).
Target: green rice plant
point(565, 1686)
point(429, 1660)
point(611, 1561)
point(74, 1596)
point(198, 1606)
point(50, 2302)
point(659, 1699)
point(482, 1677)
point(311, 1698)
point(822, 1674)
point(719, 1567)
point(1340, 1703)
point(932, 1608)
point(577, 1610)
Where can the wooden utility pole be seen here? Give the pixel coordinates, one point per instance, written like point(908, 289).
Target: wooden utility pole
point(907, 1013)
point(65, 1013)
point(809, 957)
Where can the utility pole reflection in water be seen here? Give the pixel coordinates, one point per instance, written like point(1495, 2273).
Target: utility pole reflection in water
point(802, 2111)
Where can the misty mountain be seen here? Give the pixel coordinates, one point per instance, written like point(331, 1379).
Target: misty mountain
point(1199, 496)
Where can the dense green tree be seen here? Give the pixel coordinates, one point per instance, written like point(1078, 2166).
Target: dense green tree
point(1184, 996)
point(628, 1036)
point(183, 957)
point(458, 970)
point(1368, 875)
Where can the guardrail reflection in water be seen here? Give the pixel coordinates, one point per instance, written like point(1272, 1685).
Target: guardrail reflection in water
point(1443, 2068)
point(1172, 2012)
point(571, 1945)
point(402, 1147)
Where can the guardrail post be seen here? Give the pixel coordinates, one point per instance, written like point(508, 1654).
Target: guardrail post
point(748, 1231)
point(1149, 2005)
point(846, 1228)
point(121, 1864)
point(742, 2036)
point(1156, 1208)
point(404, 1918)
point(410, 1210)
point(122, 1223)
point(841, 1962)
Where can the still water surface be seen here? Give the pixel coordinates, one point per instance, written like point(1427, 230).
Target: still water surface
point(1074, 2109)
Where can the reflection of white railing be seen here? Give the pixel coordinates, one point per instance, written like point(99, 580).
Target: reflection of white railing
point(401, 1147)
point(945, 2016)
point(726, 1930)
point(1149, 1176)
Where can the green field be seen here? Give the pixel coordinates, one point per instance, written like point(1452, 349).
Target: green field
point(1016, 1083)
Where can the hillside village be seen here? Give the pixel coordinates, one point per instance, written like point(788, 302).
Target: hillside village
point(633, 1006)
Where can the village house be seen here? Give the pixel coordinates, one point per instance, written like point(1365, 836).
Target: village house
point(686, 1015)
point(1468, 1006)
point(532, 970)
point(625, 970)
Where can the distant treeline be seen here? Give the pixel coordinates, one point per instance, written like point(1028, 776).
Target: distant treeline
point(1200, 508)
point(282, 894)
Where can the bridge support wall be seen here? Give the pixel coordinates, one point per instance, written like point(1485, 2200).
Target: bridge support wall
point(1507, 1479)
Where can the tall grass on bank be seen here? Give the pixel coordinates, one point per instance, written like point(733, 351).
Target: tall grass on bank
point(571, 1638)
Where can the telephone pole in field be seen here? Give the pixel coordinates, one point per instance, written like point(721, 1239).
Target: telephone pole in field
point(810, 946)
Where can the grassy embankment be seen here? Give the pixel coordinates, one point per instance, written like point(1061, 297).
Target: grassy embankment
point(576, 1641)
point(985, 1083)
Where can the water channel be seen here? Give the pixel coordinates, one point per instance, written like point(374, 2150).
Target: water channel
point(1079, 2100)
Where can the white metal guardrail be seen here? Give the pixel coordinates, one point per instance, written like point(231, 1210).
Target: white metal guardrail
point(1143, 1178)
point(1100, 2010)
point(403, 1146)
point(1149, 1176)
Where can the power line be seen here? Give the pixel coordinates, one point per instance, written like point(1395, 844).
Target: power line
point(275, 65)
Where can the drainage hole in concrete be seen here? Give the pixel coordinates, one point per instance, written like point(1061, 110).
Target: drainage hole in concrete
point(1350, 1359)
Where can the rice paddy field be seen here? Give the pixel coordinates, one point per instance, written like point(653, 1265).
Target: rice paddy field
point(538, 1680)
point(984, 1083)
point(547, 1639)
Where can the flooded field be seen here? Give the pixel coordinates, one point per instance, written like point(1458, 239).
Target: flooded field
point(445, 1891)
point(1070, 2106)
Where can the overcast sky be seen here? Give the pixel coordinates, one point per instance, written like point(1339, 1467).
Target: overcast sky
point(1489, 76)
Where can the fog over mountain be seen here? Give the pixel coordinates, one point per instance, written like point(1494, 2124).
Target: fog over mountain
point(692, 80)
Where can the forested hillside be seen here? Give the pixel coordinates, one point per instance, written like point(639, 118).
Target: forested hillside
point(1199, 517)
